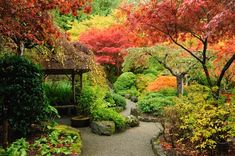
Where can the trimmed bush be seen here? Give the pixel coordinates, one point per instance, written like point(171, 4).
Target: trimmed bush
point(107, 114)
point(21, 90)
point(125, 82)
point(154, 103)
point(119, 100)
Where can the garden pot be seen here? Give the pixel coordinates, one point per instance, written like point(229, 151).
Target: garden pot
point(222, 148)
point(80, 121)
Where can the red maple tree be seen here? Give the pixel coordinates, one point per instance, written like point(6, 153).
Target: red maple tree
point(108, 44)
point(29, 23)
point(207, 21)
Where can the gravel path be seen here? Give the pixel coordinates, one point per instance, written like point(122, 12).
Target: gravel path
point(132, 142)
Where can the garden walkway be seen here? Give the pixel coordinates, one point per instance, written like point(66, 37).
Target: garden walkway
point(132, 142)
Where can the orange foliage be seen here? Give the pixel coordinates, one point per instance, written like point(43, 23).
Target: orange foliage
point(224, 50)
point(162, 82)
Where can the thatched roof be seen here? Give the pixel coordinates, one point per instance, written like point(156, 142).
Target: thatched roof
point(74, 59)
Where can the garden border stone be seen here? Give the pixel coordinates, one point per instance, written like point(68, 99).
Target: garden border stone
point(103, 127)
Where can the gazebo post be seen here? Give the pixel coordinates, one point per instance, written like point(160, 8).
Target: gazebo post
point(80, 81)
point(73, 88)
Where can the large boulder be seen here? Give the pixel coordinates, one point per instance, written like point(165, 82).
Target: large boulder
point(103, 127)
point(132, 121)
point(135, 112)
point(134, 98)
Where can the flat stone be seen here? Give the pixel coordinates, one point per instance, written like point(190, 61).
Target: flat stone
point(148, 118)
point(103, 127)
point(132, 121)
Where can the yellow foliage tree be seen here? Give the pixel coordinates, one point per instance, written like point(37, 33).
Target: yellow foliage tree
point(95, 22)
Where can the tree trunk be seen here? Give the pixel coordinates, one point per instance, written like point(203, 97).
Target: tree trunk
point(225, 68)
point(180, 85)
point(20, 49)
point(208, 78)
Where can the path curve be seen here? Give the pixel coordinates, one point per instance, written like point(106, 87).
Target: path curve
point(132, 142)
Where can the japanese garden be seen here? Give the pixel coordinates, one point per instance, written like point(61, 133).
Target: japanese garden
point(117, 77)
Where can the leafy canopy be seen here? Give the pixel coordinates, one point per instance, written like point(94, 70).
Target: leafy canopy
point(30, 21)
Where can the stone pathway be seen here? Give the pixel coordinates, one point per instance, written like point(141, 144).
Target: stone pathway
point(132, 142)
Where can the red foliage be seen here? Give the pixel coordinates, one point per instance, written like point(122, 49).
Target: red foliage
point(108, 44)
point(206, 21)
point(214, 19)
point(30, 21)
point(162, 82)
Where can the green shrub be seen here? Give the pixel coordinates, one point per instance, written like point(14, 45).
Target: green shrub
point(151, 72)
point(109, 99)
point(168, 92)
point(154, 103)
point(142, 81)
point(86, 100)
point(91, 97)
point(125, 82)
point(131, 92)
point(21, 90)
point(58, 93)
point(108, 114)
point(119, 100)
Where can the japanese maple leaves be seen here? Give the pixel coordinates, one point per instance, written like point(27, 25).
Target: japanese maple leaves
point(200, 18)
point(107, 44)
point(29, 21)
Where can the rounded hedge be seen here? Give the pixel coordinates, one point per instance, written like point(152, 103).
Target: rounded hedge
point(154, 103)
point(21, 93)
point(125, 84)
point(119, 100)
point(107, 114)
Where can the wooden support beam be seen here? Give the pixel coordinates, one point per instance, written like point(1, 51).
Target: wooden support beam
point(73, 88)
point(5, 133)
point(80, 82)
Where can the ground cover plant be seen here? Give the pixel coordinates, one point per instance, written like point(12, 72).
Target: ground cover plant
point(155, 102)
point(60, 140)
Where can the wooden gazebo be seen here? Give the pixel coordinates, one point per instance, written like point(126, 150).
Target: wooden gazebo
point(74, 60)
